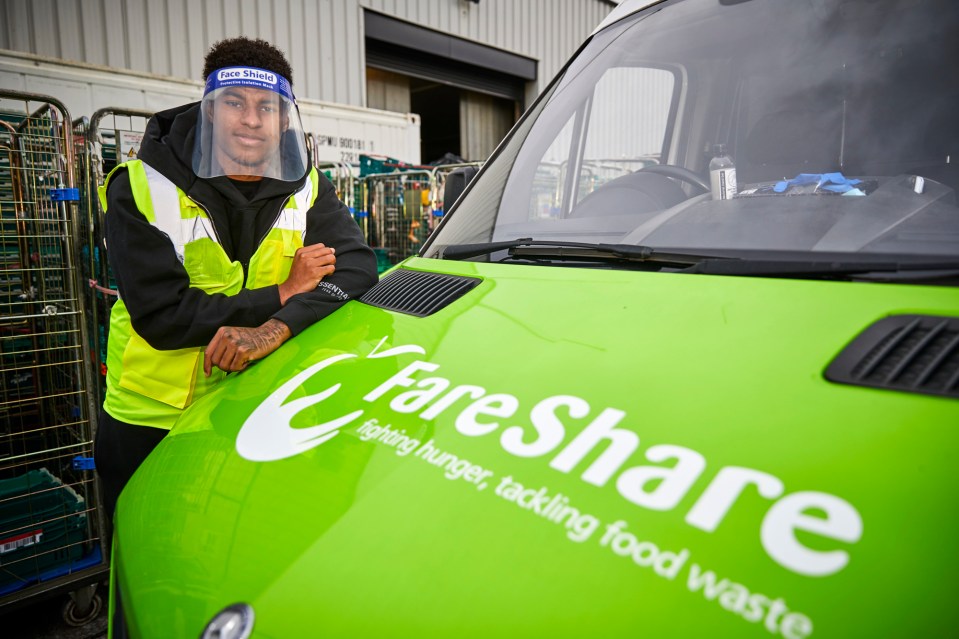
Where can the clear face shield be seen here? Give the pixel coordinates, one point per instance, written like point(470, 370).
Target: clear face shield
point(249, 126)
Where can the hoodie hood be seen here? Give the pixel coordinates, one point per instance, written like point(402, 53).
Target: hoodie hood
point(168, 143)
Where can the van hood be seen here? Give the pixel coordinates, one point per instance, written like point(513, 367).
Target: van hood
point(559, 452)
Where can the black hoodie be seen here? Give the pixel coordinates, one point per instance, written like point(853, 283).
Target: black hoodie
point(155, 287)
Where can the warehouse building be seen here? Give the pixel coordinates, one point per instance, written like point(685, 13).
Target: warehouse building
point(412, 79)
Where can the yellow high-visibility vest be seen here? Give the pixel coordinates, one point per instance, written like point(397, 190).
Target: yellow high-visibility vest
point(151, 387)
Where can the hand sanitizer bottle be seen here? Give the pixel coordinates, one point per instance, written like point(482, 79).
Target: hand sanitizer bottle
point(722, 174)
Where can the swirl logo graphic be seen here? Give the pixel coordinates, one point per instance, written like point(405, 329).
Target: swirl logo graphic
point(267, 434)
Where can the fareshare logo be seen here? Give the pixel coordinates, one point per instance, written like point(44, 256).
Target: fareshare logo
point(267, 434)
point(606, 451)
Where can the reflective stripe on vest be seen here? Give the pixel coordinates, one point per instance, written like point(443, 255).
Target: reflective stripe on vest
point(150, 387)
point(183, 223)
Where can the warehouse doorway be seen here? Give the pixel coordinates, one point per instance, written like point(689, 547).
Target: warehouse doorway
point(459, 122)
point(438, 106)
point(467, 95)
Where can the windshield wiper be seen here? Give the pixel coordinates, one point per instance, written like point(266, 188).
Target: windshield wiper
point(563, 250)
point(799, 268)
point(559, 250)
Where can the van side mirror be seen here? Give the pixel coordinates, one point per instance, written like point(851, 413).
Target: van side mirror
point(456, 182)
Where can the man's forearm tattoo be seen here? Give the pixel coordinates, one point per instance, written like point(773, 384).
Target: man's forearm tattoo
point(265, 338)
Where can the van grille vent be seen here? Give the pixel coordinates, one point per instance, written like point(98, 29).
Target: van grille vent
point(913, 353)
point(418, 293)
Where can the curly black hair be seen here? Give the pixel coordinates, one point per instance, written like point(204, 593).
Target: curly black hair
point(246, 52)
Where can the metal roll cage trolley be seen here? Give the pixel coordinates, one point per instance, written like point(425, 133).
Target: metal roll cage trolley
point(52, 532)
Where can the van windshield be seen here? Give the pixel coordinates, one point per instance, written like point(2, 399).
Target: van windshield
point(834, 124)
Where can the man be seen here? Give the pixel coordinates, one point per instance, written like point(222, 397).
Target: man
point(224, 242)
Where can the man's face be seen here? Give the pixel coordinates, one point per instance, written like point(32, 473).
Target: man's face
point(247, 126)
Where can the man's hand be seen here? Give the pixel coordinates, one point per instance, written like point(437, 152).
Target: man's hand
point(310, 265)
point(234, 347)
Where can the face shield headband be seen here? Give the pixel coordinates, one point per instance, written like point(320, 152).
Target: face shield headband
point(249, 126)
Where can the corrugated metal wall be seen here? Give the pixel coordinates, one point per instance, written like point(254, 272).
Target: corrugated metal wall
point(484, 121)
point(324, 38)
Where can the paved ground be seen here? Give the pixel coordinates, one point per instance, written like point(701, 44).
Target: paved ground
point(44, 620)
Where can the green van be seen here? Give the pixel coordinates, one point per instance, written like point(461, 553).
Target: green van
point(683, 361)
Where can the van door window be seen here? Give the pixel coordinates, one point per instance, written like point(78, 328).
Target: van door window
point(609, 145)
point(618, 145)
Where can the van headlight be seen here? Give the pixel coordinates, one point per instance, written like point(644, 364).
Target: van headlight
point(233, 622)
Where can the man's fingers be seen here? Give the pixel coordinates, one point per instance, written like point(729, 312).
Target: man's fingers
point(314, 250)
point(209, 357)
point(322, 260)
point(223, 352)
point(326, 271)
point(236, 362)
point(326, 256)
point(318, 248)
point(310, 265)
point(233, 348)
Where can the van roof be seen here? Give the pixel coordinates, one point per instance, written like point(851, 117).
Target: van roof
point(624, 9)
